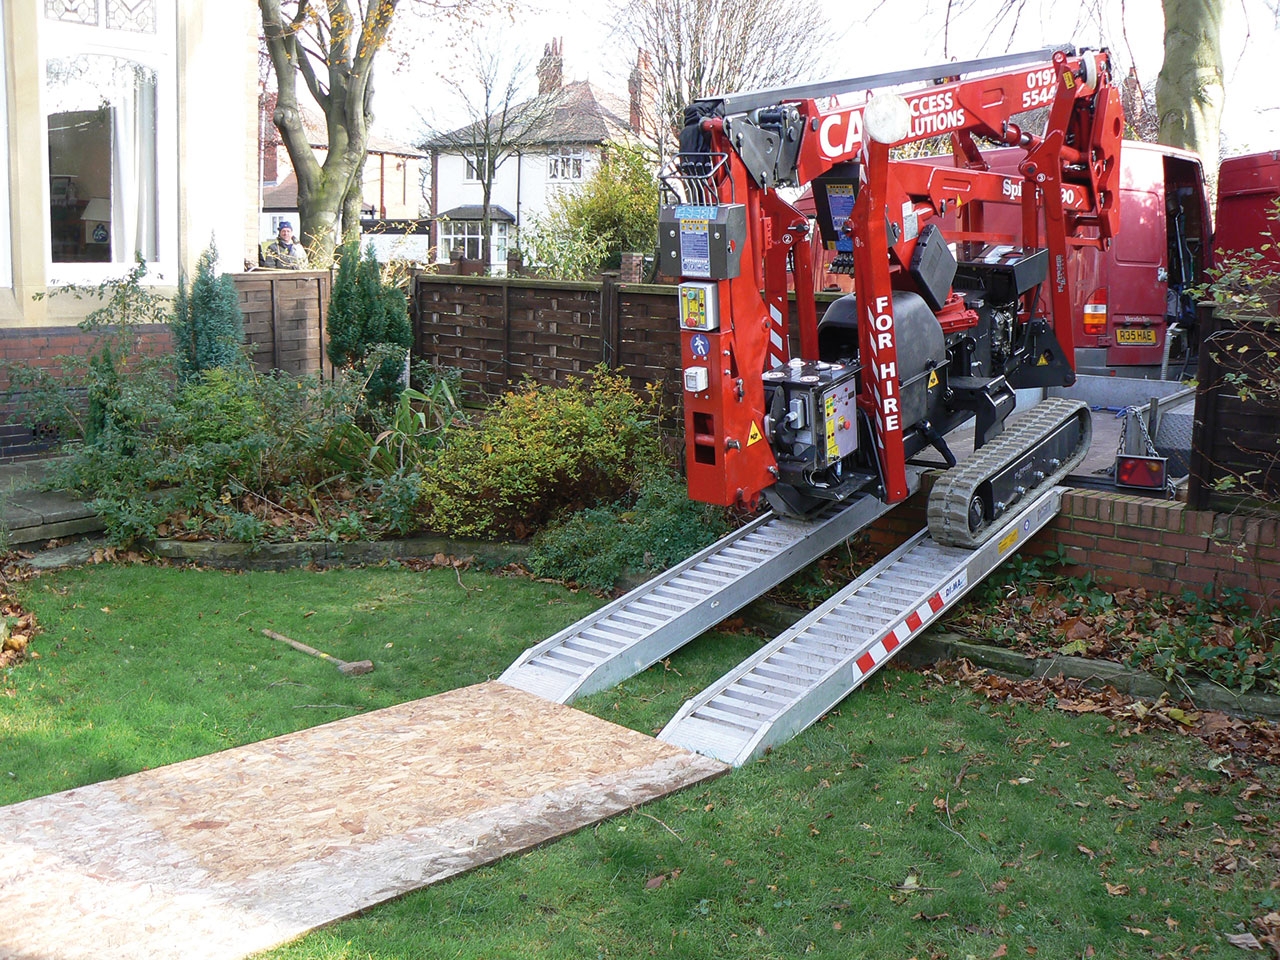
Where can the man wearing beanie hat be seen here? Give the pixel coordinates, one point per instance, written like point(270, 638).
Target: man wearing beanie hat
point(283, 252)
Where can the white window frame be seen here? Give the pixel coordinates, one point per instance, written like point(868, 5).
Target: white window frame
point(566, 164)
point(157, 51)
point(6, 224)
point(473, 162)
point(469, 231)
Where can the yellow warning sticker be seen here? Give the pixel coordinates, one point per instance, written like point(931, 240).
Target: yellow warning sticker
point(1009, 540)
point(1043, 361)
point(933, 379)
point(754, 436)
point(1068, 79)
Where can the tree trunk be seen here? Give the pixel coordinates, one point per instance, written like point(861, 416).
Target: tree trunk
point(486, 221)
point(340, 84)
point(351, 205)
point(1189, 89)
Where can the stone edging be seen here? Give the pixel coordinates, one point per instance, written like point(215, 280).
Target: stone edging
point(284, 556)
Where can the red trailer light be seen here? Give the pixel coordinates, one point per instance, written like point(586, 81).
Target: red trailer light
point(1145, 473)
point(1095, 313)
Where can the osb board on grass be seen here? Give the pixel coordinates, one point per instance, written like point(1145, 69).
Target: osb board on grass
point(242, 850)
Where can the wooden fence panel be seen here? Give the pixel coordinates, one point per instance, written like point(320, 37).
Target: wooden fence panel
point(1236, 433)
point(284, 319)
point(456, 325)
point(497, 331)
point(649, 336)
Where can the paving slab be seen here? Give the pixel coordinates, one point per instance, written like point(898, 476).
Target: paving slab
point(32, 516)
point(226, 855)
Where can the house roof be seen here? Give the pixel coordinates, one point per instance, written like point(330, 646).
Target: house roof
point(318, 136)
point(475, 211)
point(576, 113)
point(284, 196)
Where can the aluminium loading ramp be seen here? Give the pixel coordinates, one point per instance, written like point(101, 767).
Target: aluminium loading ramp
point(795, 679)
point(660, 616)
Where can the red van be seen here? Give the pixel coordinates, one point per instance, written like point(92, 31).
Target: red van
point(1124, 298)
point(1248, 188)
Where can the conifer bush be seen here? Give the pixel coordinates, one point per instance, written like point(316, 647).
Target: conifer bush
point(368, 324)
point(207, 325)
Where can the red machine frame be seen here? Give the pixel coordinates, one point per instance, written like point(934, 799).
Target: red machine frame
point(1069, 181)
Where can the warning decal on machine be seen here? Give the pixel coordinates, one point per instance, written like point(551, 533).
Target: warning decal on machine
point(754, 436)
point(833, 446)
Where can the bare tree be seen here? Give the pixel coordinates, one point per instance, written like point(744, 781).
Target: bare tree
point(1190, 90)
point(331, 45)
point(502, 125)
point(695, 48)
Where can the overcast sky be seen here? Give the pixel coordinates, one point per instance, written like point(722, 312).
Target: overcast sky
point(897, 35)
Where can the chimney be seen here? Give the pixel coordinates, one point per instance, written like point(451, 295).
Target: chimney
point(551, 68)
point(637, 84)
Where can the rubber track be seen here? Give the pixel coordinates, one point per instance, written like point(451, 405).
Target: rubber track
point(948, 511)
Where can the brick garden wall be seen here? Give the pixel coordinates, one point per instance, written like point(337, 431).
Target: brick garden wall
point(43, 347)
point(1132, 541)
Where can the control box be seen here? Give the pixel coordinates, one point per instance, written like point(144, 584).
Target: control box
point(701, 240)
point(812, 412)
point(699, 306)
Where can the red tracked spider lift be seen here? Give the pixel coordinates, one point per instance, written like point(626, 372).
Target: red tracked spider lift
point(940, 330)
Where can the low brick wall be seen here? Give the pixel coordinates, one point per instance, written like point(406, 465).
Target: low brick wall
point(44, 347)
point(1133, 541)
point(1168, 547)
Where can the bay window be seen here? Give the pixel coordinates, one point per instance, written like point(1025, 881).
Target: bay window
point(110, 110)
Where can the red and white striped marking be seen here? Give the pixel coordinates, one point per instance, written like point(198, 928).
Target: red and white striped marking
point(906, 628)
point(779, 353)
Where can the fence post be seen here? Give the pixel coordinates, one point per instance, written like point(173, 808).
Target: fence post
point(324, 283)
point(609, 318)
point(506, 330)
point(275, 321)
point(1205, 419)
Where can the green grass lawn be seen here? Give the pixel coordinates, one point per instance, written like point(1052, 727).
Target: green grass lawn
point(145, 665)
point(917, 820)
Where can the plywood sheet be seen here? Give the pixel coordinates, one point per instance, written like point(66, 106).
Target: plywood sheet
point(236, 852)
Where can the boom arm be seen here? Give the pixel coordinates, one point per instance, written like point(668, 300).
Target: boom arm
point(736, 152)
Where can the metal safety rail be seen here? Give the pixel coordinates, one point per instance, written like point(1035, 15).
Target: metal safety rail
point(798, 677)
point(662, 615)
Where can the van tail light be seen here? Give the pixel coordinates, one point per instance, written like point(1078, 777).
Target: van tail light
point(1095, 313)
point(1144, 473)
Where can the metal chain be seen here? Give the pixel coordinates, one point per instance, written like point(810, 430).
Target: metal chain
point(1169, 485)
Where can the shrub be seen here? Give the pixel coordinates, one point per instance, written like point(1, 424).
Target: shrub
point(645, 533)
point(208, 328)
point(85, 397)
point(218, 407)
point(588, 230)
point(539, 451)
point(1244, 287)
point(368, 324)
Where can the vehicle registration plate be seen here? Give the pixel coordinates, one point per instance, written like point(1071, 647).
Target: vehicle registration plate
point(1144, 335)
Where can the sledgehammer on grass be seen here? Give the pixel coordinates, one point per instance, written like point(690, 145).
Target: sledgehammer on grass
point(350, 669)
